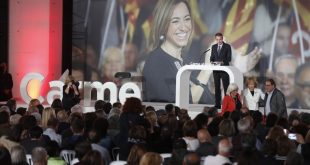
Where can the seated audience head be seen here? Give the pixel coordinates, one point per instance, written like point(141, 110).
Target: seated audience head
point(271, 120)
point(52, 148)
point(32, 109)
point(11, 104)
point(117, 105)
point(190, 129)
point(6, 109)
point(284, 146)
point(34, 102)
point(4, 118)
point(294, 158)
point(62, 116)
point(191, 158)
point(92, 157)
point(149, 108)
point(161, 116)
point(138, 133)
point(57, 104)
point(170, 109)
point(14, 119)
point(99, 129)
point(46, 115)
point(99, 105)
point(77, 126)
point(248, 141)
point(204, 136)
point(213, 126)
point(21, 111)
point(212, 112)
point(5, 157)
point(81, 149)
point(77, 109)
point(270, 147)
point(135, 154)
point(227, 128)
point(151, 158)
point(244, 126)
point(151, 117)
point(35, 132)
point(183, 115)
point(132, 105)
point(275, 132)
point(39, 156)
point(18, 155)
point(224, 147)
point(201, 120)
point(28, 122)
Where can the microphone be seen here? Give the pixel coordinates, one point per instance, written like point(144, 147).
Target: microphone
point(206, 51)
point(203, 53)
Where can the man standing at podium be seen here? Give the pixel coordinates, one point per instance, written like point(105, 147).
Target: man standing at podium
point(220, 55)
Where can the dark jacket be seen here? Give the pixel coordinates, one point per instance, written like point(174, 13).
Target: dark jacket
point(225, 54)
point(277, 103)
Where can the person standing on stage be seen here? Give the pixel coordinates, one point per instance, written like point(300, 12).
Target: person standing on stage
point(274, 100)
point(220, 55)
point(170, 35)
point(71, 94)
point(6, 83)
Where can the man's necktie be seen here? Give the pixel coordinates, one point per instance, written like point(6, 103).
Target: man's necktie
point(218, 50)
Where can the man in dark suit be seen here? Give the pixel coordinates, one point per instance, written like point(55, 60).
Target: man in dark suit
point(220, 55)
point(274, 100)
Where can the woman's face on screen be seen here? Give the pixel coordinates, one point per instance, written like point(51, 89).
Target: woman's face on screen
point(180, 27)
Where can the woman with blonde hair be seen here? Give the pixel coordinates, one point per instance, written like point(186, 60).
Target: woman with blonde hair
point(151, 158)
point(46, 115)
point(252, 95)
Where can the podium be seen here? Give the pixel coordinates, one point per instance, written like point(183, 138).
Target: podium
point(183, 79)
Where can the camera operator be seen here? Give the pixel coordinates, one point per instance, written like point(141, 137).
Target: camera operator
point(71, 94)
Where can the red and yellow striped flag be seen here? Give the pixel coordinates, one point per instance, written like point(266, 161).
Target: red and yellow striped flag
point(239, 24)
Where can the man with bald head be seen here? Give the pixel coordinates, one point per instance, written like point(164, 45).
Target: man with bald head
point(224, 148)
point(206, 147)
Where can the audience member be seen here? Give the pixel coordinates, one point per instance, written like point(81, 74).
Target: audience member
point(46, 115)
point(39, 156)
point(191, 158)
point(92, 158)
point(12, 106)
point(53, 152)
point(206, 147)
point(5, 157)
point(224, 148)
point(136, 153)
point(35, 139)
point(151, 158)
point(51, 129)
point(189, 135)
point(18, 155)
